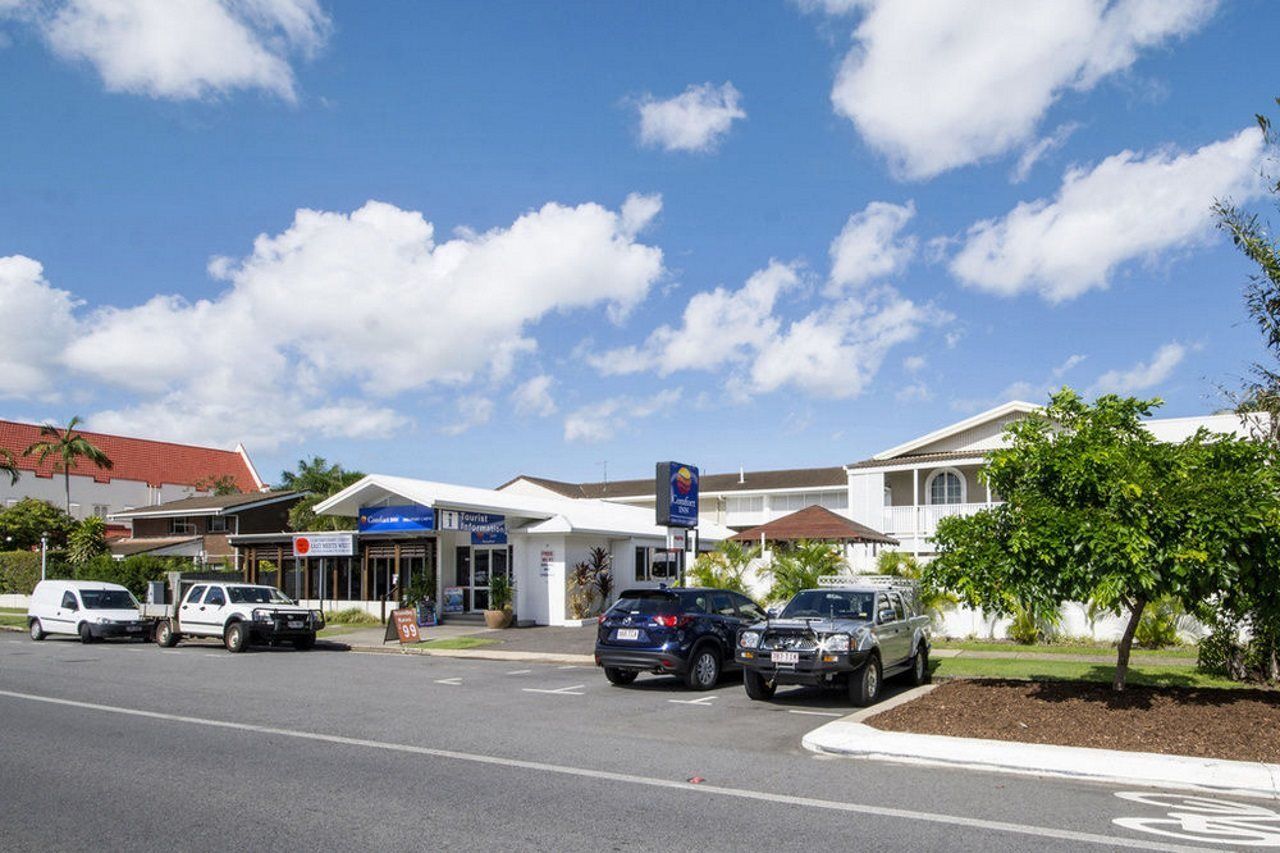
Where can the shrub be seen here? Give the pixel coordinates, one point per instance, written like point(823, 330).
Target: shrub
point(500, 591)
point(723, 568)
point(132, 573)
point(19, 571)
point(800, 567)
point(585, 583)
point(350, 616)
point(1033, 625)
point(1158, 626)
point(87, 541)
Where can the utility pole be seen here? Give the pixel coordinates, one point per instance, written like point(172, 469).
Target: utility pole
point(44, 554)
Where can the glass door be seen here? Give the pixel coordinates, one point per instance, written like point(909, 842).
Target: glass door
point(481, 563)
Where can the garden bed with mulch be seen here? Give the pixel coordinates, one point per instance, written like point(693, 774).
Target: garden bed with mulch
point(1242, 725)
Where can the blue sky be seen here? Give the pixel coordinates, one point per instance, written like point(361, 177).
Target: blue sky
point(467, 240)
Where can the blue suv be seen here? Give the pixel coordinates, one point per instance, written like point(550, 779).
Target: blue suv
point(688, 632)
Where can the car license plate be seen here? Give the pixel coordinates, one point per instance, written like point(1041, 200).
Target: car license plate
point(134, 628)
point(628, 633)
point(792, 658)
point(295, 624)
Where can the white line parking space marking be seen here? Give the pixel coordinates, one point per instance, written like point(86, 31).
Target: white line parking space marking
point(704, 702)
point(570, 666)
point(1193, 818)
point(562, 691)
point(452, 682)
point(520, 672)
point(815, 713)
point(702, 789)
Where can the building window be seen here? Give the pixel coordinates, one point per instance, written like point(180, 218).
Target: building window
point(101, 510)
point(745, 504)
point(946, 487)
point(218, 524)
point(181, 526)
point(655, 564)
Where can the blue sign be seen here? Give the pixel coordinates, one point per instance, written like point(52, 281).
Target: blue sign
point(486, 528)
point(387, 519)
point(677, 494)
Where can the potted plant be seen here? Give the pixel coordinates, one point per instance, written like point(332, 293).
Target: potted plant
point(499, 613)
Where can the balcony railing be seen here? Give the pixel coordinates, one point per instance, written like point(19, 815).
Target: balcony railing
point(899, 520)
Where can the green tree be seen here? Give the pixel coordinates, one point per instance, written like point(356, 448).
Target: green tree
point(133, 573)
point(67, 446)
point(9, 466)
point(1095, 509)
point(800, 566)
point(223, 485)
point(22, 524)
point(899, 564)
point(319, 479)
point(723, 568)
point(87, 540)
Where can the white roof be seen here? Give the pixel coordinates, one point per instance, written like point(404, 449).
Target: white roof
point(547, 514)
point(1011, 407)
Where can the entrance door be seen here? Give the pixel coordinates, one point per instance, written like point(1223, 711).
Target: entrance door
point(486, 562)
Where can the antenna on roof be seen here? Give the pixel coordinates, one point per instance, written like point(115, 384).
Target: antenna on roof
point(742, 474)
point(604, 463)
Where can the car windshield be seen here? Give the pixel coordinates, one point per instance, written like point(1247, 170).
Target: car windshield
point(640, 604)
point(830, 604)
point(257, 595)
point(108, 599)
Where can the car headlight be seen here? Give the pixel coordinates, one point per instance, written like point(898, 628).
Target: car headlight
point(749, 639)
point(317, 616)
point(836, 643)
point(262, 615)
point(102, 620)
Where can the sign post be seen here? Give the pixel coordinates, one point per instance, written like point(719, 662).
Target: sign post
point(676, 493)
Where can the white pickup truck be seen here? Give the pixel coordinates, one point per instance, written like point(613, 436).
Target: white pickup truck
point(239, 614)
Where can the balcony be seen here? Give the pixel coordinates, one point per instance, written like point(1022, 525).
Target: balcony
point(899, 521)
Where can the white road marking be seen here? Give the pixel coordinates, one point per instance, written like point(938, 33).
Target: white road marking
point(562, 691)
point(452, 682)
point(520, 672)
point(704, 702)
point(626, 778)
point(815, 713)
point(1195, 818)
point(570, 666)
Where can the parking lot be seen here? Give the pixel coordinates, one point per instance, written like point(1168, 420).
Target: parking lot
point(347, 750)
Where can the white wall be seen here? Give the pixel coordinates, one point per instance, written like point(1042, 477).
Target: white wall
point(964, 622)
point(117, 495)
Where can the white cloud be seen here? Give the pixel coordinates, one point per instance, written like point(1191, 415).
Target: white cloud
point(603, 420)
point(1127, 207)
point(1036, 150)
point(916, 392)
point(182, 49)
point(696, 120)
point(1068, 365)
point(471, 412)
point(327, 321)
point(36, 321)
point(868, 247)
point(934, 86)
point(1143, 375)
point(914, 363)
point(720, 326)
point(533, 397)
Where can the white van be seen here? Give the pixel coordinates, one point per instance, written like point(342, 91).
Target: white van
point(88, 609)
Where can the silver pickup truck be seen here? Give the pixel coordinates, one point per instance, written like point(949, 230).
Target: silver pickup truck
point(852, 631)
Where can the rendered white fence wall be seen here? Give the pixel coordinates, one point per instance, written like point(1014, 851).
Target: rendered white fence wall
point(15, 601)
point(964, 622)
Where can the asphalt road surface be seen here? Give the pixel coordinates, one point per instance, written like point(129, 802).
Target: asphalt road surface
point(112, 747)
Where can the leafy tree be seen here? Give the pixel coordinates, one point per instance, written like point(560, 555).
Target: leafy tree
point(133, 573)
point(899, 564)
point(1095, 509)
point(9, 466)
point(223, 485)
point(723, 568)
point(1261, 392)
point(302, 516)
point(67, 446)
point(800, 566)
point(87, 540)
point(22, 524)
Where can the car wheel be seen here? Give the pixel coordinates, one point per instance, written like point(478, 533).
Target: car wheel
point(165, 638)
point(757, 687)
point(920, 667)
point(704, 669)
point(37, 630)
point(864, 685)
point(305, 644)
point(236, 638)
point(86, 633)
point(620, 677)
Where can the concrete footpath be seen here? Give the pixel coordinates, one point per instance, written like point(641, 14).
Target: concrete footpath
point(543, 644)
point(851, 736)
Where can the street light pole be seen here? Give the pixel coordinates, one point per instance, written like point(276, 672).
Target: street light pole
point(44, 554)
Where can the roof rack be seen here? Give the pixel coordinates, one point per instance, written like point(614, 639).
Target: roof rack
point(877, 581)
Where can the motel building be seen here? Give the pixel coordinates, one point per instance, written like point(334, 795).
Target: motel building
point(460, 537)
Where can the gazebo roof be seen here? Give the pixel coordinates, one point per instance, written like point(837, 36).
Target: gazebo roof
point(814, 523)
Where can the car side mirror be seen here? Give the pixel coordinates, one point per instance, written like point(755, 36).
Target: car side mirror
point(772, 612)
point(884, 616)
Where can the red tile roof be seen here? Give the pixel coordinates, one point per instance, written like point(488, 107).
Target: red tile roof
point(816, 524)
point(155, 463)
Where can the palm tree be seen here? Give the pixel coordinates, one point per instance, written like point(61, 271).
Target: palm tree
point(800, 566)
point(9, 465)
point(67, 445)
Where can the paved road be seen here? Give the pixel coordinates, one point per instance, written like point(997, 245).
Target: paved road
point(114, 746)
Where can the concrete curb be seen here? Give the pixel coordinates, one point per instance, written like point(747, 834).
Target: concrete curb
point(483, 654)
point(13, 628)
point(849, 736)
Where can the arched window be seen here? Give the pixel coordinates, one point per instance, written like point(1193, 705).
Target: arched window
point(945, 487)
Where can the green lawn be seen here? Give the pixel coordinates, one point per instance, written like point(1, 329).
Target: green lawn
point(339, 630)
point(1077, 648)
point(1052, 670)
point(21, 610)
point(452, 643)
point(17, 618)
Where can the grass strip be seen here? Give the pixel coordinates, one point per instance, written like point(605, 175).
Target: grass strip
point(453, 643)
point(1188, 652)
point(1050, 670)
